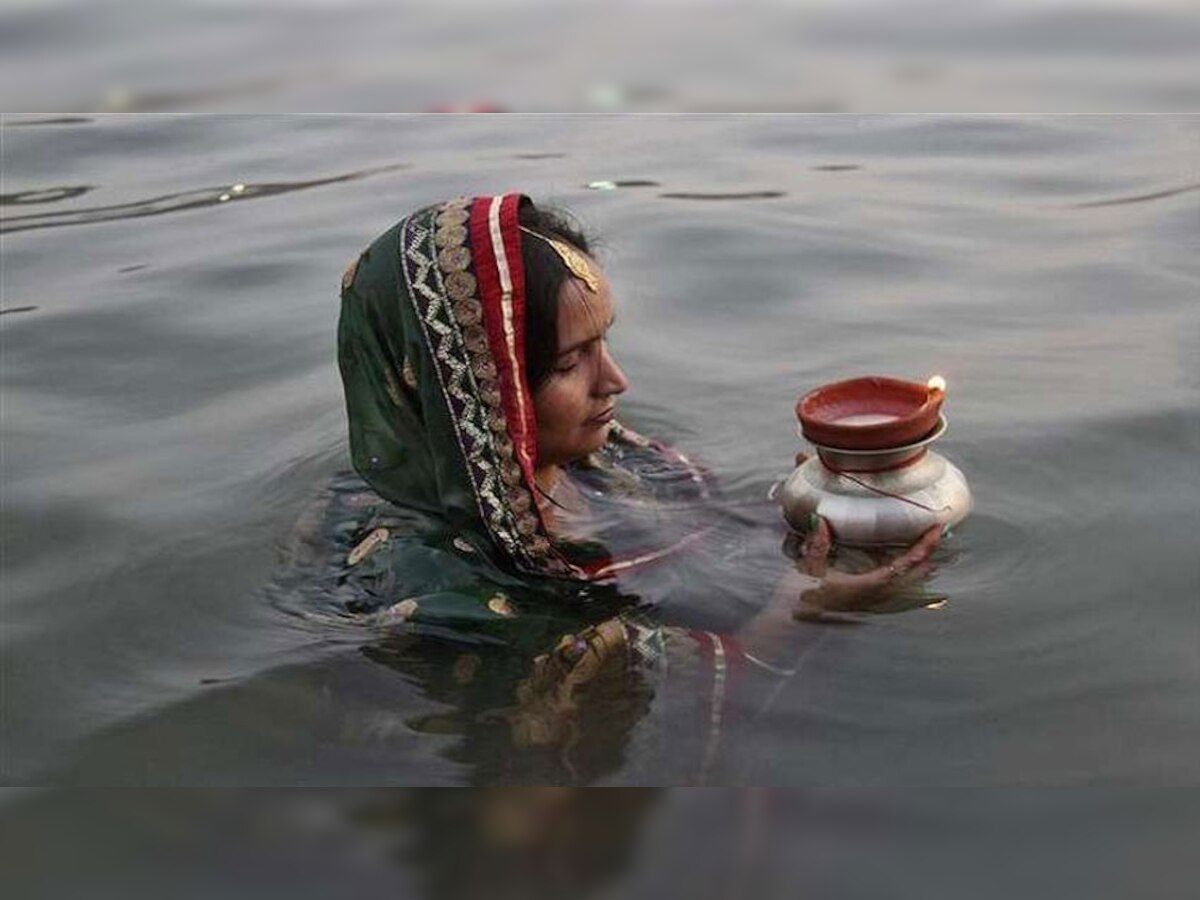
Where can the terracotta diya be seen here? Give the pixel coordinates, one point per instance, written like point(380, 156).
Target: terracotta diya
point(872, 413)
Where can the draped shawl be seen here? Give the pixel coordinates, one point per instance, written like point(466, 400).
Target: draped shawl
point(441, 417)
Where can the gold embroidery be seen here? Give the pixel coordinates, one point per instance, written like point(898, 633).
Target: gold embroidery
point(461, 354)
point(484, 369)
point(491, 397)
point(409, 376)
point(475, 338)
point(398, 612)
point(349, 272)
point(452, 215)
point(367, 546)
point(449, 236)
point(460, 285)
point(454, 259)
point(500, 605)
point(468, 310)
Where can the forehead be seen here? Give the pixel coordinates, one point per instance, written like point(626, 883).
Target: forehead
point(581, 313)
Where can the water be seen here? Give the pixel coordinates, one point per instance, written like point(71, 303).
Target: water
point(171, 405)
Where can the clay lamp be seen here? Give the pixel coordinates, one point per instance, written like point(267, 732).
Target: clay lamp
point(873, 413)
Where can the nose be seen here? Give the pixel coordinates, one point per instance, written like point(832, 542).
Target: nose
point(611, 379)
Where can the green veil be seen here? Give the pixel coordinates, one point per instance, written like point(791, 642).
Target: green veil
point(432, 356)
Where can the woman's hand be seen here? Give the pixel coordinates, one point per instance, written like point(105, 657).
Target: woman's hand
point(766, 637)
point(844, 592)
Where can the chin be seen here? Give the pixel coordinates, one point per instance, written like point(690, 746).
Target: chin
point(592, 442)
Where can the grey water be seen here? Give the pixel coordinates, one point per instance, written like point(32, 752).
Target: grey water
point(171, 406)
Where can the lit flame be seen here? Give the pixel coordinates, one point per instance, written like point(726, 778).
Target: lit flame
point(936, 383)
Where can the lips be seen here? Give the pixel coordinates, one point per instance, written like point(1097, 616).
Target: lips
point(604, 418)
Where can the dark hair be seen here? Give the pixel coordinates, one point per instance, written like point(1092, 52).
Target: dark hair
point(545, 273)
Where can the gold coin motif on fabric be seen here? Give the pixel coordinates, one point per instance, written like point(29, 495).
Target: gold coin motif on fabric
point(497, 422)
point(460, 285)
point(484, 368)
point(490, 396)
point(367, 546)
point(520, 501)
point(468, 310)
point(454, 259)
point(348, 274)
point(510, 473)
point(526, 524)
point(486, 384)
point(504, 446)
point(500, 605)
point(450, 236)
point(539, 545)
point(408, 375)
point(399, 612)
point(475, 338)
point(452, 215)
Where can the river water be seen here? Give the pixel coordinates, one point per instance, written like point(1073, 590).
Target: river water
point(171, 405)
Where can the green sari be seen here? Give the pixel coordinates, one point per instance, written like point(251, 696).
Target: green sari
point(445, 540)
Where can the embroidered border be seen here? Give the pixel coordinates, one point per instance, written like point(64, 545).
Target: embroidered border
point(437, 263)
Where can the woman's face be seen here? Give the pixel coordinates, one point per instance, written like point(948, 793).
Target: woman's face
point(576, 403)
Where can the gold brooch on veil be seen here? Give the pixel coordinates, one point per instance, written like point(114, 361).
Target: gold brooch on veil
point(575, 261)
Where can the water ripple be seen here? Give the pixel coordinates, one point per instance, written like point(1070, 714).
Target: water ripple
point(57, 120)
point(733, 195)
point(1139, 198)
point(45, 195)
point(176, 202)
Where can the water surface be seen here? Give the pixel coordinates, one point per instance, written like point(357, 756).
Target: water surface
point(171, 405)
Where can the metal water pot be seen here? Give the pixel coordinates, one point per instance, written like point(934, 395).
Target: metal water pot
point(877, 497)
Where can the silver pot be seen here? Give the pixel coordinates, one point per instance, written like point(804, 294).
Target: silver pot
point(877, 497)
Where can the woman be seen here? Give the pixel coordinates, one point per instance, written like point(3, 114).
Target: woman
point(509, 507)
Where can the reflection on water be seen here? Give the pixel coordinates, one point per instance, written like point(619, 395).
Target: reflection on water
point(553, 843)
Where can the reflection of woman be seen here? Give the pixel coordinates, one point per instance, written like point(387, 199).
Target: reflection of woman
point(497, 843)
point(507, 499)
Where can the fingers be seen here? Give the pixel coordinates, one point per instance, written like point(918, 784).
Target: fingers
point(920, 551)
point(816, 551)
point(918, 573)
point(913, 565)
